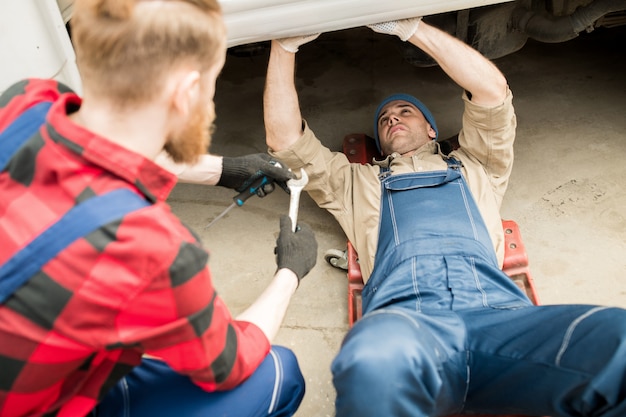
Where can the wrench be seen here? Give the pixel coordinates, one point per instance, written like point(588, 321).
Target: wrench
point(295, 187)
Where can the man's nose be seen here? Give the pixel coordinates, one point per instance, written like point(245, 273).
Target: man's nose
point(393, 119)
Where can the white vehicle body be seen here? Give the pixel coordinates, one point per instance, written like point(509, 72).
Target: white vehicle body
point(253, 21)
point(259, 20)
point(34, 41)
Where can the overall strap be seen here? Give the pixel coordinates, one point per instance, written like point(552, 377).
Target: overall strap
point(453, 162)
point(454, 169)
point(20, 130)
point(79, 221)
point(383, 173)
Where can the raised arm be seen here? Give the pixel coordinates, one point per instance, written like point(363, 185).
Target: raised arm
point(281, 109)
point(466, 66)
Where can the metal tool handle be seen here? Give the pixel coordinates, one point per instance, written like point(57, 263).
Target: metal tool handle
point(295, 187)
point(293, 208)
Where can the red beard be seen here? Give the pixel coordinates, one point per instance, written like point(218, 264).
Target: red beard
point(194, 140)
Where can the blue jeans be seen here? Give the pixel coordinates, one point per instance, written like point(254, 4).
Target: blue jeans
point(561, 360)
point(153, 389)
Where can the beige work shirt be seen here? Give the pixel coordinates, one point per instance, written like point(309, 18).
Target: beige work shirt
point(351, 192)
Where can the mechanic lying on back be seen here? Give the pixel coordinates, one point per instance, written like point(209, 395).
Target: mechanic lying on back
point(444, 330)
point(74, 330)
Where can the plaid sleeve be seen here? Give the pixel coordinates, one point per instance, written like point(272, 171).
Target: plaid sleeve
point(180, 318)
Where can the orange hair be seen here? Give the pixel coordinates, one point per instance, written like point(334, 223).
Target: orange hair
point(126, 48)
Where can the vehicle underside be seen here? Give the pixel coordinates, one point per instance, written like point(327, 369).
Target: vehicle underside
point(501, 29)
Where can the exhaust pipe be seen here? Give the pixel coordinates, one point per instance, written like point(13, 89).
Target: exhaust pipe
point(549, 29)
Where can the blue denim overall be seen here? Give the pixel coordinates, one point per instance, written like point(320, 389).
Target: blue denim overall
point(445, 331)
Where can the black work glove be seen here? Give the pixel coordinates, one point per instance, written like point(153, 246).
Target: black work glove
point(296, 251)
point(240, 172)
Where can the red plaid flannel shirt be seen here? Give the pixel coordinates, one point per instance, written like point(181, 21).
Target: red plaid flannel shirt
point(135, 286)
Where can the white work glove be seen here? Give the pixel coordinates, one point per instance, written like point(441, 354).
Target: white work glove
point(403, 29)
point(292, 44)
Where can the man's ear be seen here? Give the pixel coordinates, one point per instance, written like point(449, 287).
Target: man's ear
point(186, 92)
point(431, 132)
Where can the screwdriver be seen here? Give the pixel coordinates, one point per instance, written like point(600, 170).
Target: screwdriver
point(241, 198)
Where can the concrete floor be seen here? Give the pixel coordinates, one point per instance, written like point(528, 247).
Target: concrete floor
point(566, 192)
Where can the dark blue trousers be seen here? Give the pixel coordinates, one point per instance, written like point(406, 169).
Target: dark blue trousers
point(153, 389)
point(559, 361)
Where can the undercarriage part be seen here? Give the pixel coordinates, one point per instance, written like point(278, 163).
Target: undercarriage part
point(612, 20)
point(487, 29)
point(549, 29)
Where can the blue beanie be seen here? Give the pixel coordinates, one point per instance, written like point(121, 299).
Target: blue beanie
point(410, 99)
